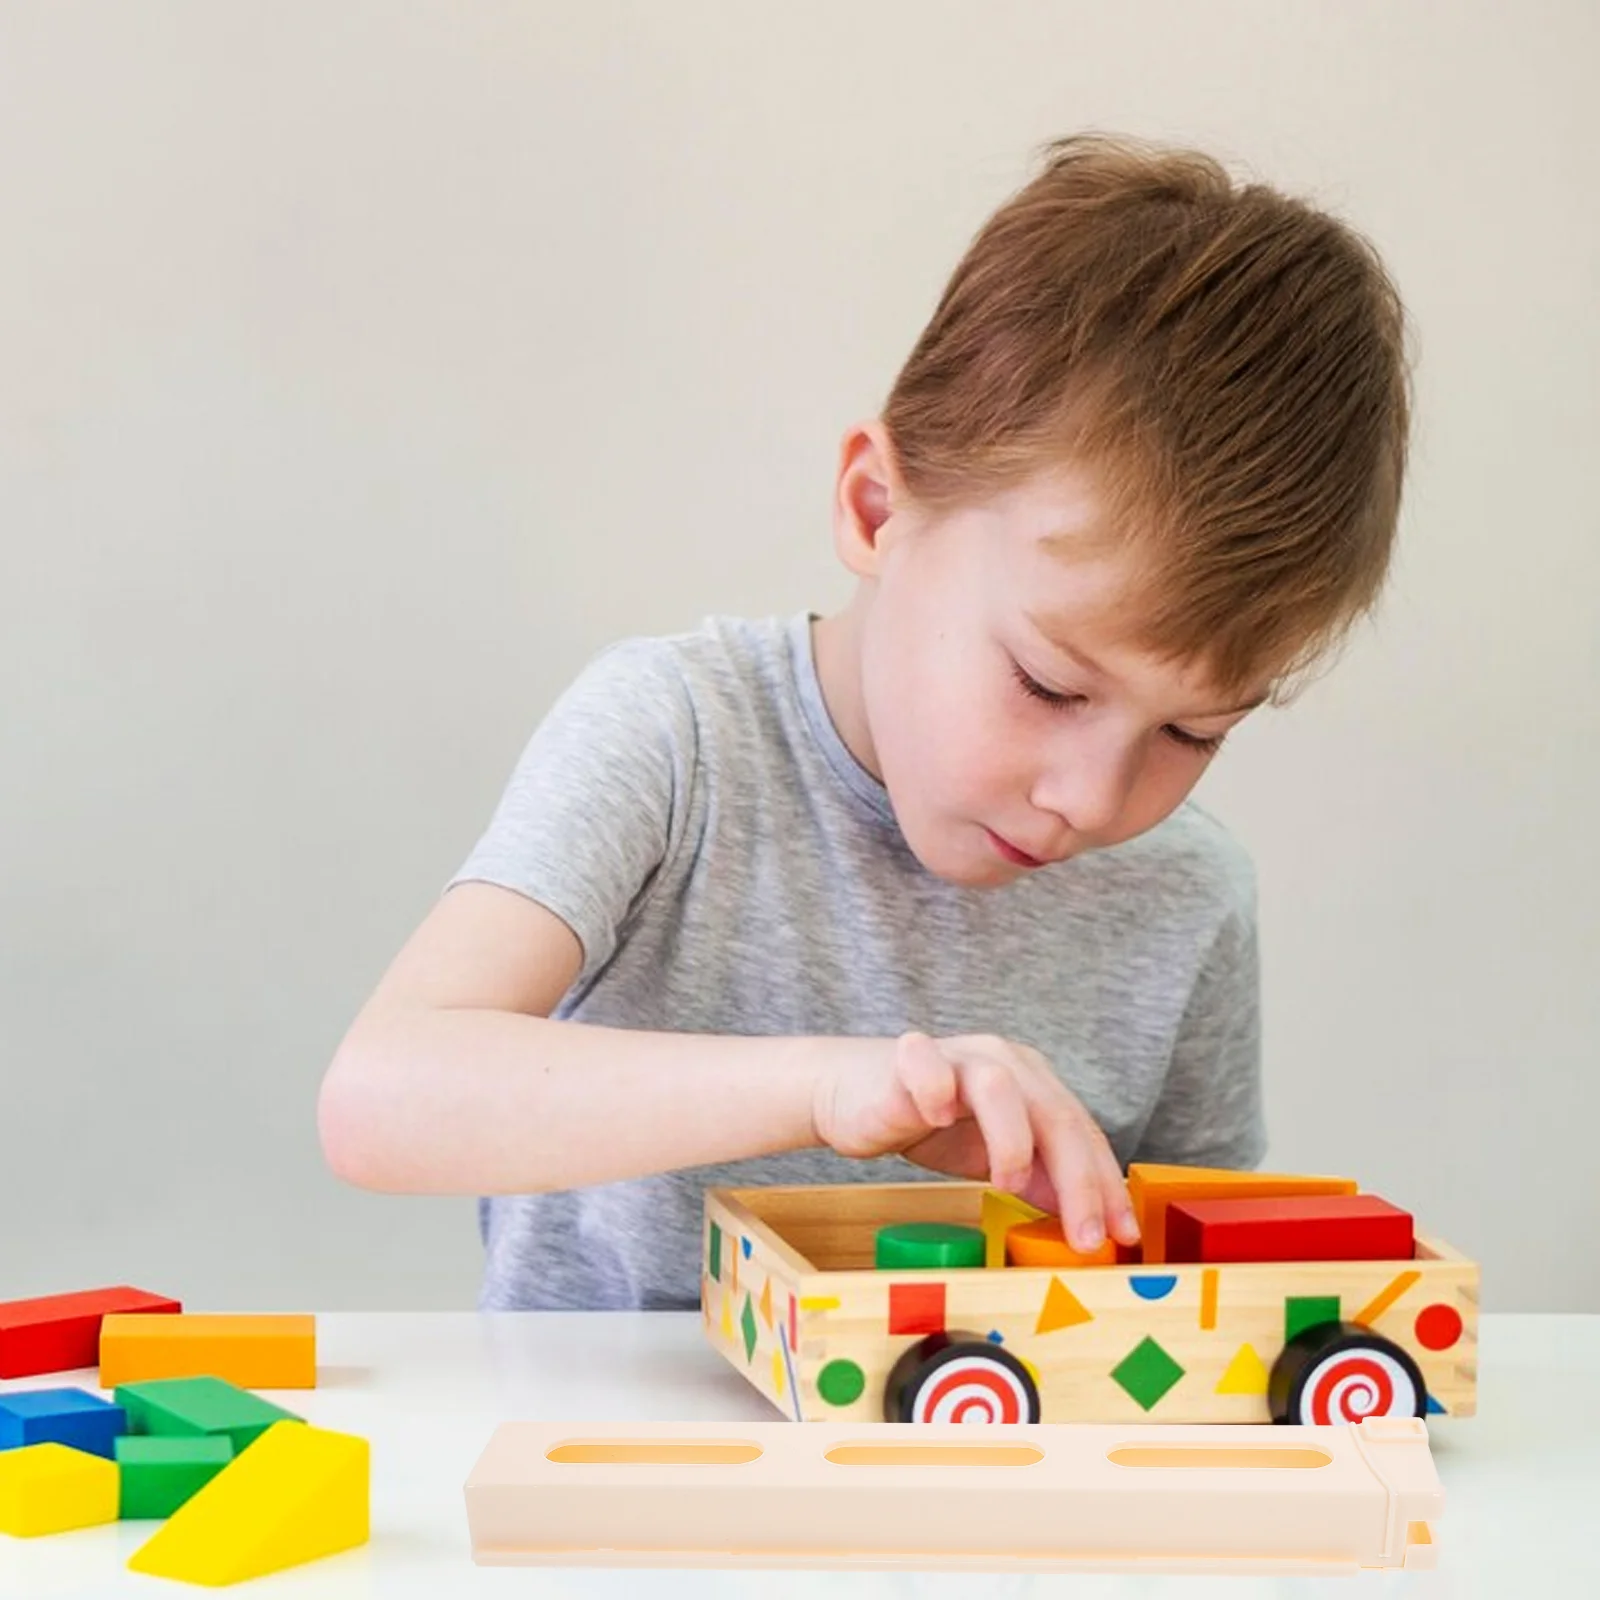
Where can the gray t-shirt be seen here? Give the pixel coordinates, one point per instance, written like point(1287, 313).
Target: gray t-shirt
point(688, 807)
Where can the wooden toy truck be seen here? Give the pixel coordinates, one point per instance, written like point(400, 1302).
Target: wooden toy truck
point(791, 1295)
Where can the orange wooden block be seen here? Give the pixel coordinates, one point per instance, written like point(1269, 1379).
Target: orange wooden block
point(1153, 1188)
point(1041, 1243)
point(254, 1352)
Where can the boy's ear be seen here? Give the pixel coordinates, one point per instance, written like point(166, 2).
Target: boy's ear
point(865, 494)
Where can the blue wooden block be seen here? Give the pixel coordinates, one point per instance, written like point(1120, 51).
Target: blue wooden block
point(65, 1416)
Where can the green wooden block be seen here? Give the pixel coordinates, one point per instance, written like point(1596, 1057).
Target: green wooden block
point(159, 1473)
point(1302, 1311)
point(182, 1407)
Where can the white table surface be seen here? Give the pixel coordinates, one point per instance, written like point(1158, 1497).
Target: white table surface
point(1521, 1479)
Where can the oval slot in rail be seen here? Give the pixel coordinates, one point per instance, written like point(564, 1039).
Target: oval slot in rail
point(934, 1455)
point(654, 1452)
point(1217, 1455)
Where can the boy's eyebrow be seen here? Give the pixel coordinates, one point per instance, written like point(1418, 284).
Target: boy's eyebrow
point(1095, 670)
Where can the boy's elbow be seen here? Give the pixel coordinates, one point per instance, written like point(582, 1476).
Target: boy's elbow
point(348, 1126)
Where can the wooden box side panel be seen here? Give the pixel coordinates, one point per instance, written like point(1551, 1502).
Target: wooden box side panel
point(1135, 1344)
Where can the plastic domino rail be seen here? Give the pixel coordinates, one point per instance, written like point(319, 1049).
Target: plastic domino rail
point(1251, 1498)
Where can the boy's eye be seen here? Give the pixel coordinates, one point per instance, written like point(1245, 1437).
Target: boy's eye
point(1194, 741)
point(1206, 744)
point(1031, 685)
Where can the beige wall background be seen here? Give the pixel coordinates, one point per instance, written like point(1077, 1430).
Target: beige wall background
point(365, 367)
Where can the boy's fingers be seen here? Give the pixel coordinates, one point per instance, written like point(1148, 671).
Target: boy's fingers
point(929, 1077)
point(1081, 1165)
point(1001, 1112)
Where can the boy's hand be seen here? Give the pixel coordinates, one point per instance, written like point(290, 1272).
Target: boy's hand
point(978, 1106)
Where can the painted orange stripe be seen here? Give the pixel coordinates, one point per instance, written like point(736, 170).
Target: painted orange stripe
point(1208, 1298)
point(1375, 1308)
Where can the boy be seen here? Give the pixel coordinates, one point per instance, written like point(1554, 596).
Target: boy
point(915, 890)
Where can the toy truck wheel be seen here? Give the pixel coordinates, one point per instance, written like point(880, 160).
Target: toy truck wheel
point(959, 1377)
point(1342, 1372)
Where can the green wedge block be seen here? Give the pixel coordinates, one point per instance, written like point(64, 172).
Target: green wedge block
point(188, 1406)
point(160, 1473)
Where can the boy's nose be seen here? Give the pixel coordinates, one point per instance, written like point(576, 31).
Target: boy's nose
point(1088, 789)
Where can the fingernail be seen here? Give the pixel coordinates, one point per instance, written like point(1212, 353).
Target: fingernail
point(1130, 1224)
point(1089, 1236)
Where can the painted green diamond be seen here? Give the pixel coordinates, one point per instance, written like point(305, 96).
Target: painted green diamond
point(1147, 1372)
point(748, 1322)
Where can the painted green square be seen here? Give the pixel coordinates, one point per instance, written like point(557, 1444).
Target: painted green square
point(186, 1406)
point(716, 1252)
point(158, 1474)
point(748, 1323)
point(1302, 1311)
point(1147, 1372)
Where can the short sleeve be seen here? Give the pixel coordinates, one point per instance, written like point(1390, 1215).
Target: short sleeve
point(597, 800)
point(1210, 1112)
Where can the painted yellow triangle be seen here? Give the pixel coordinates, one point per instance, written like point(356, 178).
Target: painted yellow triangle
point(1246, 1374)
point(766, 1302)
point(1062, 1309)
point(1002, 1212)
point(296, 1494)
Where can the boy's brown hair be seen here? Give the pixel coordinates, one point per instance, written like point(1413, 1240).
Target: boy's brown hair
point(1227, 363)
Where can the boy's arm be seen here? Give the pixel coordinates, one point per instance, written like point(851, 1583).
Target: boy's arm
point(1211, 1112)
point(454, 1079)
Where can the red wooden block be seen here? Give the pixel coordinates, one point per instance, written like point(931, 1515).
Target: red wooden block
point(61, 1332)
point(1313, 1227)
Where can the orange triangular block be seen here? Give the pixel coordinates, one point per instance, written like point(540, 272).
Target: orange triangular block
point(298, 1493)
point(1152, 1188)
point(1246, 1374)
point(1062, 1309)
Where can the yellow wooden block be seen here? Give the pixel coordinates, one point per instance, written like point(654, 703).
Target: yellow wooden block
point(49, 1488)
point(1152, 1188)
point(255, 1352)
point(297, 1494)
point(1000, 1213)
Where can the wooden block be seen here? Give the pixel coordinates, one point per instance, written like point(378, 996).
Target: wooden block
point(1041, 1243)
point(1152, 1188)
point(50, 1488)
point(1257, 1498)
point(63, 1416)
point(160, 1474)
point(299, 1493)
point(61, 1332)
point(1000, 1213)
point(186, 1407)
point(256, 1352)
point(1327, 1227)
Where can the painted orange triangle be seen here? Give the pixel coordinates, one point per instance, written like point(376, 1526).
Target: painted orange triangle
point(766, 1302)
point(1062, 1309)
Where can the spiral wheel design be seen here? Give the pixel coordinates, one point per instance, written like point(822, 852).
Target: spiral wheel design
point(959, 1377)
point(1342, 1372)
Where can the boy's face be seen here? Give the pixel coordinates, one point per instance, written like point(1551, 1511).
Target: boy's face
point(1001, 703)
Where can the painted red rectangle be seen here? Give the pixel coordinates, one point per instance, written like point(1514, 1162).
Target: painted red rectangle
point(1320, 1227)
point(61, 1332)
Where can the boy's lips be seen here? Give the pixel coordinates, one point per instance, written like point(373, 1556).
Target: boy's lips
point(1018, 858)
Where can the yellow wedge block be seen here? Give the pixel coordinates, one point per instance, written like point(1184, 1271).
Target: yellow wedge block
point(49, 1488)
point(1152, 1188)
point(1001, 1213)
point(297, 1494)
point(254, 1352)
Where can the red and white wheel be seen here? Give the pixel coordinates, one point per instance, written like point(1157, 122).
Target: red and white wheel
point(1342, 1372)
point(959, 1377)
